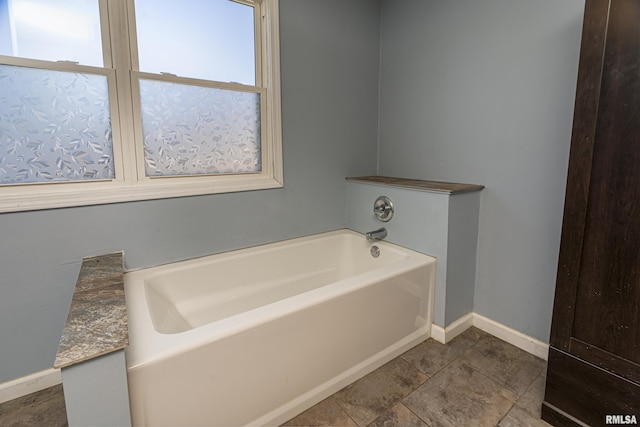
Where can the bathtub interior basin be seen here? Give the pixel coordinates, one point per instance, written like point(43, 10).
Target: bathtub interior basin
point(197, 292)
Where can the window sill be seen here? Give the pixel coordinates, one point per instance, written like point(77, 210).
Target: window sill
point(50, 196)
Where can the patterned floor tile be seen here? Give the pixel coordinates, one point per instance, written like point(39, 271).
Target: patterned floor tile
point(526, 411)
point(531, 400)
point(518, 417)
point(326, 413)
point(459, 395)
point(398, 416)
point(431, 356)
point(369, 397)
point(504, 363)
point(43, 408)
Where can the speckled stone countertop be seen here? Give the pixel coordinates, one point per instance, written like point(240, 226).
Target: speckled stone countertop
point(418, 184)
point(97, 319)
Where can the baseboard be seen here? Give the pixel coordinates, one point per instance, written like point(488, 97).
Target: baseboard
point(498, 330)
point(445, 335)
point(516, 338)
point(30, 384)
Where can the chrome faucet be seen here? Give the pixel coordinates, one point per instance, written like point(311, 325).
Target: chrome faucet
point(378, 234)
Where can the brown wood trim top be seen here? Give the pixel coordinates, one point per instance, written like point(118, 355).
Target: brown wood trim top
point(97, 319)
point(419, 184)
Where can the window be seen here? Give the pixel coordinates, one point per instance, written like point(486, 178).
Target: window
point(115, 100)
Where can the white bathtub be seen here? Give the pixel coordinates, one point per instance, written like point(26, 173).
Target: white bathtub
point(255, 336)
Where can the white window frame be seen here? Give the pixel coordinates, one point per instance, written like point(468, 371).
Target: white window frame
point(130, 183)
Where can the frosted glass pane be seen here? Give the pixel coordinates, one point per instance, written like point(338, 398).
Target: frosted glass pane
point(192, 130)
point(204, 39)
point(54, 126)
point(51, 30)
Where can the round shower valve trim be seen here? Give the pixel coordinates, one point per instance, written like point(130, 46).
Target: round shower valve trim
point(383, 208)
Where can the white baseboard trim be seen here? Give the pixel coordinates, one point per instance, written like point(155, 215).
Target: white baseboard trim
point(498, 330)
point(444, 335)
point(30, 384)
point(438, 333)
point(517, 338)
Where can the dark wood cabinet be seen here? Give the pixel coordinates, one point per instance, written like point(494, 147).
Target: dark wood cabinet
point(594, 357)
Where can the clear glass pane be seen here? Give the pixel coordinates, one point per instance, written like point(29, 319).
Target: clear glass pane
point(51, 30)
point(204, 39)
point(192, 130)
point(54, 126)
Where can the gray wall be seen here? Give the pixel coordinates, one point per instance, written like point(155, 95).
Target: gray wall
point(330, 58)
point(482, 92)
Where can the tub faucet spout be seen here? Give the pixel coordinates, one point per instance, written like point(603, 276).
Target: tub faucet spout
point(378, 234)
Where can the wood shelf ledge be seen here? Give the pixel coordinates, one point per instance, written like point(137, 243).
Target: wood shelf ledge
point(419, 184)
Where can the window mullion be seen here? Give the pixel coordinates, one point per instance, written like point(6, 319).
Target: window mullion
point(135, 122)
point(108, 63)
point(121, 57)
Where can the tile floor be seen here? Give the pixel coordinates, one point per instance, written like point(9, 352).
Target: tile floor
point(476, 380)
point(44, 408)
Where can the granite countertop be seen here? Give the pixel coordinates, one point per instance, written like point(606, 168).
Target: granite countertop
point(419, 184)
point(97, 319)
